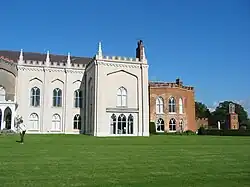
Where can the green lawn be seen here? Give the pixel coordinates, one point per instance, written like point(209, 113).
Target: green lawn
point(157, 161)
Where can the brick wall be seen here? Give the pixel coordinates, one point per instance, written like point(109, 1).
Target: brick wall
point(176, 90)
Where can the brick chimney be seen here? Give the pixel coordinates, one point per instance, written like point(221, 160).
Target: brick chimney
point(179, 82)
point(140, 53)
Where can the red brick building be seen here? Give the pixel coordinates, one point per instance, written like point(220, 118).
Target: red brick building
point(172, 106)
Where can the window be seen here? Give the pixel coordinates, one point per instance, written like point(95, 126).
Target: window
point(113, 124)
point(33, 122)
point(35, 97)
point(57, 97)
point(78, 98)
point(56, 122)
point(121, 124)
point(159, 105)
point(181, 124)
point(160, 125)
point(121, 97)
point(171, 105)
point(172, 125)
point(130, 124)
point(77, 122)
point(180, 106)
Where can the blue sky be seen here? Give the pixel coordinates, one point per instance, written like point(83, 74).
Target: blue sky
point(205, 43)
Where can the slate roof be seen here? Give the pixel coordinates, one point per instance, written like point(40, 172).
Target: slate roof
point(14, 55)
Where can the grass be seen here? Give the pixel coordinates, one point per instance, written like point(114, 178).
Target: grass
point(157, 161)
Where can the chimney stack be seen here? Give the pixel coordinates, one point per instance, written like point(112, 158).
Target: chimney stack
point(179, 82)
point(140, 51)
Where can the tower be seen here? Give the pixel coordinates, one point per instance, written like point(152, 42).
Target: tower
point(233, 117)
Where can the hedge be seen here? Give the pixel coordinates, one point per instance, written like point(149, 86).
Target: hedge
point(152, 128)
point(224, 132)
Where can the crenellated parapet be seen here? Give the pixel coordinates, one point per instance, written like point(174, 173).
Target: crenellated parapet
point(177, 84)
point(53, 64)
point(119, 59)
point(140, 56)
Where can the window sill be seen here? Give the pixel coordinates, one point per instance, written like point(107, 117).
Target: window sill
point(172, 131)
point(172, 113)
point(160, 131)
point(160, 113)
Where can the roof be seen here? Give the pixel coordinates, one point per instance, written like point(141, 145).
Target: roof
point(14, 55)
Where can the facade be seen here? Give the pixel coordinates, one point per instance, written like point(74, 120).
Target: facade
point(100, 96)
point(202, 122)
point(172, 106)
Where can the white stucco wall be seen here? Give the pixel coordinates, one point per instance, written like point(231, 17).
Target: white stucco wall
point(47, 79)
point(99, 81)
point(113, 75)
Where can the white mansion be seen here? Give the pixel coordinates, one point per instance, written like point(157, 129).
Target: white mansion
point(100, 96)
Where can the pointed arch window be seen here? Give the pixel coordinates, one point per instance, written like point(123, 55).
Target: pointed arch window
point(56, 122)
point(171, 105)
point(181, 124)
point(33, 122)
point(159, 105)
point(35, 97)
point(113, 124)
point(77, 122)
point(130, 124)
point(121, 97)
point(78, 98)
point(121, 124)
point(57, 97)
point(180, 105)
point(160, 127)
point(172, 125)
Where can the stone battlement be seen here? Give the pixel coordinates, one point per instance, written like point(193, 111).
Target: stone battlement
point(53, 64)
point(158, 84)
point(119, 58)
point(43, 63)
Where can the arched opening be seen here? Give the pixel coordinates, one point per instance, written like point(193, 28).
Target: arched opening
point(181, 125)
point(77, 122)
point(113, 124)
point(172, 125)
point(159, 105)
point(121, 97)
point(57, 97)
point(78, 98)
point(56, 122)
point(34, 122)
point(180, 106)
point(130, 124)
point(160, 125)
point(171, 105)
point(7, 118)
point(121, 124)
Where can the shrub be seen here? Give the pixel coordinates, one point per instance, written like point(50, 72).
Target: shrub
point(189, 132)
point(201, 131)
point(152, 128)
point(224, 132)
point(7, 132)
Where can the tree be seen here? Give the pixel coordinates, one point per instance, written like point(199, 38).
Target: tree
point(222, 111)
point(201, 110)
